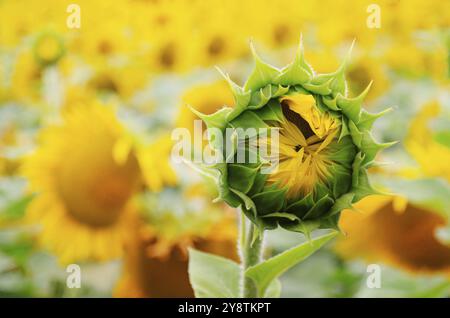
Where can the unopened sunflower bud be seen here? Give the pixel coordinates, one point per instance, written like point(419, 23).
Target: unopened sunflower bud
point(324, 147)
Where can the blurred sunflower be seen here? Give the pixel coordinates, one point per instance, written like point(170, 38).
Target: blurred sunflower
point(397, 232)
point(430, 149)
point(100, 43)
point(3, 91)
point(85, 173)
point(26, 78)
point(48, 48)
point(207, 98)
point(410, 60)
point(124, 80)
point(364, 71)
point(283, 25)
point(156, 260)
point(154, 160)
point(171, 52)
point(8, 138)
point(218, 43)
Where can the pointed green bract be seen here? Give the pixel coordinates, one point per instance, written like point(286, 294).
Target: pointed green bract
point(258, 105)
point(298, 72)
point(262, 75)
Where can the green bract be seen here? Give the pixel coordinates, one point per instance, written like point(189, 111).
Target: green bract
point(352, 150)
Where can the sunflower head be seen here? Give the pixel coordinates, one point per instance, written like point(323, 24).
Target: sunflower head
point(430, 148)
point(323, 149)
point(408, 239)
point(86, 173)
point(156, 258)
point(48, 48)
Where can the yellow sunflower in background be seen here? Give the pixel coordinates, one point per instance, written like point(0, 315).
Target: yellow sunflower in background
point(218, 41)
point(156, 259)
point(170, 53)
point(207, 98)
point(124, 80)
point(102, 42)
point(48, 48)
point(26, 78)
point(396, 230)
point(84, 173)
point(399, 234)
point(430, 150)
point(409, 60)
point(8, 138)
point(364, 71)
point(3, 91)
point(154, 160)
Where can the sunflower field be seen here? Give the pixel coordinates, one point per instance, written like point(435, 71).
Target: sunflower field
point(94, 201)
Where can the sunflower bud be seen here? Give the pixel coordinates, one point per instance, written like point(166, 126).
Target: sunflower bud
point(323, 146)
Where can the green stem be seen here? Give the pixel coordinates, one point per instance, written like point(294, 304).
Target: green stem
point(251, 255)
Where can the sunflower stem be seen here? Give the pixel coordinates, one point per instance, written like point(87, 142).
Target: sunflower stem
point(251, 254)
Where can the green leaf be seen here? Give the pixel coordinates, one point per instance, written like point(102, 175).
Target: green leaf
point(212, 276)
point(264, 273)
point(274, 289)
point(283, 215)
